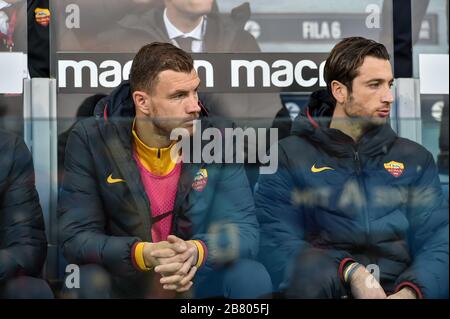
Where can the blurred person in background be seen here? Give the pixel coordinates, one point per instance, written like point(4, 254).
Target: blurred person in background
point(94, 17)
point(13, 25)
point(23, 244)
point(198, 27)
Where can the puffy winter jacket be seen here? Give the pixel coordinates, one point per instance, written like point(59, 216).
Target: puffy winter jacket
point(100, 220)
point(23, 245)
point(378, 201)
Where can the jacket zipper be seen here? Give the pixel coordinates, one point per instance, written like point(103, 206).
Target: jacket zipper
point(357, 162)
point(126, 161)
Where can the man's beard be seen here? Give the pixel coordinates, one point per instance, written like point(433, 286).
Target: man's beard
point(365, 122)
point(165, 126)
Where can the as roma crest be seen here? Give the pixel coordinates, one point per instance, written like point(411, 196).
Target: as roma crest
point(395, 168)
point(42, 16)
point(200, 180)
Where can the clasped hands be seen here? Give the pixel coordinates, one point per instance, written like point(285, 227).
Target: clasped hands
point(175, 260)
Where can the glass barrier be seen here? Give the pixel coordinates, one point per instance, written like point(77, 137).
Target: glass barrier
point(430, 57)
point(93, 46)
point(221, 170)
point(11, 113)
point(430, 29)
point(258, 66)
point(287, 26)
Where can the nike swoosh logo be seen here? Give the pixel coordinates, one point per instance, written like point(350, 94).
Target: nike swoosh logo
point(314, 169)
point(112, 180)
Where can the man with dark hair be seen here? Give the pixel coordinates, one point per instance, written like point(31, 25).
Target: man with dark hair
point(194, 26)
point(350, 194)
point(140, 222)
point(23, 245)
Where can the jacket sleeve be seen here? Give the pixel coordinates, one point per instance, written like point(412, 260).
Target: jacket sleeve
point(428, 236)
point(282, 225)
point(81, 214)
point(233, 229)
point(22, 233)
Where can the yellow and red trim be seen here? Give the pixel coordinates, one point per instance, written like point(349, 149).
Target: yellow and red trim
point(202, 252)
point(157, 161)
point(137, 257)
point(412, 286)
point(343, 266)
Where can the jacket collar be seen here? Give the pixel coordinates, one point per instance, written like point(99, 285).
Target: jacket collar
point(314, 121)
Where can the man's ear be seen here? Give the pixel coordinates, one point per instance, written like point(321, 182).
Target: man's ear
point(142, 102)
point(339, 91)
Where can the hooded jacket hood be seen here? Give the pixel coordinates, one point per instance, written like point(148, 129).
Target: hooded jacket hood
point(118, 104)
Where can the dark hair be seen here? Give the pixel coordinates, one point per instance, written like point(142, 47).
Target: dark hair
point(154, 58)
point(347, 56)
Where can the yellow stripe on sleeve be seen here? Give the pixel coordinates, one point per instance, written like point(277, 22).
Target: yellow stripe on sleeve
point(201, 253)
point(139, 257)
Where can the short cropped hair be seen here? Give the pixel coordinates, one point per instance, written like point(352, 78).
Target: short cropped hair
point(154, 58)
